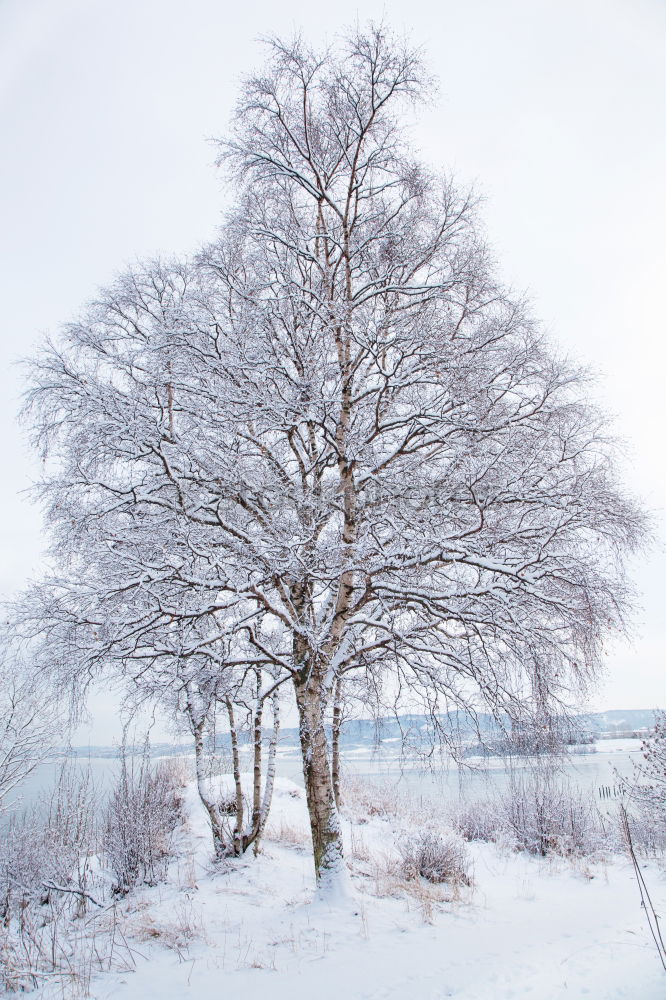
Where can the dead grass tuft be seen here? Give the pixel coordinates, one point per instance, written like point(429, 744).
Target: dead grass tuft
point(287, 833)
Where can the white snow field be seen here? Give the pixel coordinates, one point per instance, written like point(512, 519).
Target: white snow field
point(540, 928)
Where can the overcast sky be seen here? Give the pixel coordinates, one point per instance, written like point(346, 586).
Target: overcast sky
point(554, 111)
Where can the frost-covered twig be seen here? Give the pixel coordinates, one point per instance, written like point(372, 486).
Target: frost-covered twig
point(646, 900)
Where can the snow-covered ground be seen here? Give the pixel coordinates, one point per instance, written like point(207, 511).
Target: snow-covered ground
point(527, 928)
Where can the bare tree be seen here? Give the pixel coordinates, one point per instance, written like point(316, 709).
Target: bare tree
point(653, 749)
point(197, 691)
point(335, 434)
point(28, 726)
point(646, 788)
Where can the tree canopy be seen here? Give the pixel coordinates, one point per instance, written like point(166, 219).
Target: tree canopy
point(329, 444)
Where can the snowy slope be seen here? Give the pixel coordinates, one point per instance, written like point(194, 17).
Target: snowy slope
point(528, 928)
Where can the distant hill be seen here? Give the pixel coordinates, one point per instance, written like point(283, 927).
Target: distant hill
point(620, 719)
point(413, 731)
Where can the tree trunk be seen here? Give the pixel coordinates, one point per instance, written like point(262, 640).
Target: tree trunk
point(256, 782)
point(260, 814)
point(235, 757)
point(330, 869)
point(335, 741)
point(217, 827)
point(270, 770)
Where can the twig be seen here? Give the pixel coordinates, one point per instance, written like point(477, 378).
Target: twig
point(76, 892)
point(646, 900)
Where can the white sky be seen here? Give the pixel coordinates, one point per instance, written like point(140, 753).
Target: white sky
point(554, 110)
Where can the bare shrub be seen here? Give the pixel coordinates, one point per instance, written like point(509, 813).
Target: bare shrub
point(54, 926)
point(645, 793)
point(13, 976)
point(43, 855)
point(543, 814)
point(539, 812)
point(52, 945)
point(425, 896)
point(648, 826)
point(436, 856)
point(142, 814)
point(475, 820)
point(364, 799)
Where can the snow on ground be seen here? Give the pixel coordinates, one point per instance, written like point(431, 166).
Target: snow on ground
point(618, 744)
point(528, 928)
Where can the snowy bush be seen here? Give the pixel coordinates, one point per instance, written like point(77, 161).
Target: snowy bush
point(539, 812)
point(645, 792)
point(142, 814)
point(364, 799)
point(436, 856)
point(648, 824)
point(543, 814)
point(476, 820)
point(28, 724)
point(43, 855)
point(56, 924)
point(49, 882)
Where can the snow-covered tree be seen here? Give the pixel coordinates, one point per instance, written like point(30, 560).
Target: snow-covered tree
point(647, 786)
point(220, 706)
point(333, 434)
point(28, 727)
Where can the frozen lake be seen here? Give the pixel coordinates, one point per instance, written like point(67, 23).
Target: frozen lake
point(478, 778)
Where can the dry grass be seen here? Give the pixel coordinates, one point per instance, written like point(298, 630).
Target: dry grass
point(363, 799)
point(289, 834)
point(419, 894)
point(475, 820)
point(64, 954)
point(358, 848)
point(538, 813)
point(187, 875)
point(435, 856)
point(177, 934)
point(429, 866)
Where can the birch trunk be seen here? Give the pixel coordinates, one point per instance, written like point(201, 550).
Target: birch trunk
point(203, 787)
point(235, 757)
point(335, 741)
point(327, 848)
point(265, 806)
point(256, 781)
